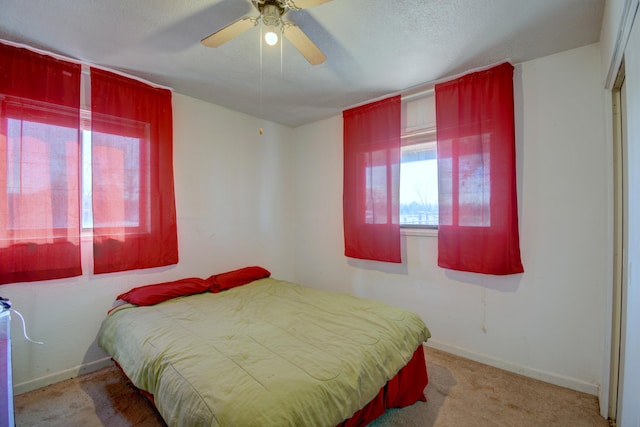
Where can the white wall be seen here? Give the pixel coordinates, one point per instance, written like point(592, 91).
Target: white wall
point(234, 208)
point(550, 321)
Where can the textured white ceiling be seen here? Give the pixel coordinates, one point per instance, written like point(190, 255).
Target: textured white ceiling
point(373, 47)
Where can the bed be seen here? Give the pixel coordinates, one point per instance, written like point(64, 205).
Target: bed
point(266, 352)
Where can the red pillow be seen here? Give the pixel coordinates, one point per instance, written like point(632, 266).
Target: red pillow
point(231, 279)
point(153, 294)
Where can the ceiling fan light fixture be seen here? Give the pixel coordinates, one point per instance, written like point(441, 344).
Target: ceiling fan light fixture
point(271, 14)
point(271, 17)
point(271, 38)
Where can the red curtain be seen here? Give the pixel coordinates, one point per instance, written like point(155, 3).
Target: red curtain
point(39, 178)
point(372, 181)
point(134, 217)
point(478, 224)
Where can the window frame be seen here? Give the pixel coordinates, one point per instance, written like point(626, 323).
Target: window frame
point(424, 134)
point(138, 131)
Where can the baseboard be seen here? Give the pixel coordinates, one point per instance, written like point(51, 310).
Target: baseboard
point(558, 380)
point(61, 376)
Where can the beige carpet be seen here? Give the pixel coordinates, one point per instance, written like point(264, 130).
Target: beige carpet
point(460, 393)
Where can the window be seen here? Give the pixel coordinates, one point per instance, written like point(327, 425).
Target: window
point(419, 163)
point(472, 183)
point(126, 156)
point(86, 149)
point(40, 156)
point(377, 178)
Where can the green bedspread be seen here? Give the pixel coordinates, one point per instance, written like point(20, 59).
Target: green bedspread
point(269, 353)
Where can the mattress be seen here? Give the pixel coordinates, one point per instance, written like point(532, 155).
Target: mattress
point(269, 353)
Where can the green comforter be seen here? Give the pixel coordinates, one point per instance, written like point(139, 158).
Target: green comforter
point(269, 353)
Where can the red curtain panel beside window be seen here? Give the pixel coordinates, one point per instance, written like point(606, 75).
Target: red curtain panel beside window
point(372, 181)
point(478, 224)
point(134, 217)
point(39, 177)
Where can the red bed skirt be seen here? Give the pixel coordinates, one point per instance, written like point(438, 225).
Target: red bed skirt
point(405, 389)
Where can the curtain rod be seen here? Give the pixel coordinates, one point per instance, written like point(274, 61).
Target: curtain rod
point(425, 92)
point(83, 63)
point(426, 89)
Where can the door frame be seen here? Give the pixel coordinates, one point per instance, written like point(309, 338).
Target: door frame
point(619, 227)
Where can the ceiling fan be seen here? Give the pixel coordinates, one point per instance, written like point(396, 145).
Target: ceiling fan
point(271, 14)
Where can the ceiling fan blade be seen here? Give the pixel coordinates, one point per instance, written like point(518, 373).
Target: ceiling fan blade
point(307, 48)
point(304, 4)
point(230, 31)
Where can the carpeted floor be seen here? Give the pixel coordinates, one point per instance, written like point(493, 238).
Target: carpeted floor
point(460, 393)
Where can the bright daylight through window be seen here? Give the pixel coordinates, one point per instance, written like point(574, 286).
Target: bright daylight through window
point(419, 163)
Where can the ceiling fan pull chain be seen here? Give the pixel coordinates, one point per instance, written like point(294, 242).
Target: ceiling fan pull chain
point(260, 43)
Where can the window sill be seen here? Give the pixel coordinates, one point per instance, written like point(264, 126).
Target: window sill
point(421, 232)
